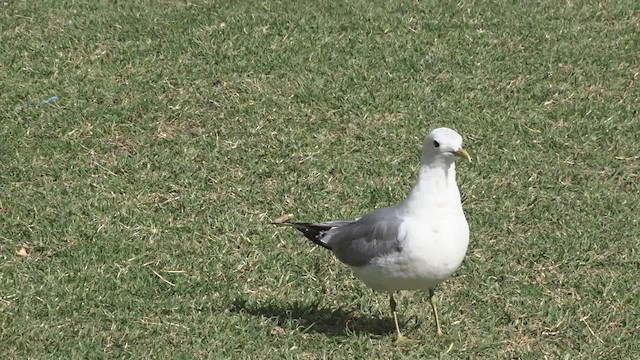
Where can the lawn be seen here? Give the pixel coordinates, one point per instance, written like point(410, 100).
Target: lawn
point(146, 146)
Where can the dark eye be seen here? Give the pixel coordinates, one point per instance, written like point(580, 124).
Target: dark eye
point(436, 144)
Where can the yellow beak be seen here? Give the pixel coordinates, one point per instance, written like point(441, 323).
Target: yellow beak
point(463, 154)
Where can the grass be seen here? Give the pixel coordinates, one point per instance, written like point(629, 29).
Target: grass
point(135, 209)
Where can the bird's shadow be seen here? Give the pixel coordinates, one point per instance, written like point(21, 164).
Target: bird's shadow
point(316, 318)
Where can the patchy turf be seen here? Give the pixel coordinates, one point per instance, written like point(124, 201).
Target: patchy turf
point(135, 207)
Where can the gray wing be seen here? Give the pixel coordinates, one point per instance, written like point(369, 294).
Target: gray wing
point(374, 235)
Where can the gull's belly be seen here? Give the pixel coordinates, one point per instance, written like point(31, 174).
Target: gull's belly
point(430, 255)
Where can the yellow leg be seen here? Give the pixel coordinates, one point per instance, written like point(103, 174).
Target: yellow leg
point(392, 304)
point(400, 339)
point(435, 311)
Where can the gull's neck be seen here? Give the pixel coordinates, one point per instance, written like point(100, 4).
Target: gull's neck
point(436, 186)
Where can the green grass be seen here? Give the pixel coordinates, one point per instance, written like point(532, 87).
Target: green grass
point(144, 194)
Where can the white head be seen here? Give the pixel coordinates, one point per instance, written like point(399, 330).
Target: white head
point(443, 145)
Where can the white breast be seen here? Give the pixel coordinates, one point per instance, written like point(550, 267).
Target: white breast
point(432, 251)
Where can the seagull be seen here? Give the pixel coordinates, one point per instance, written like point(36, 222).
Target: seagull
point(414, 245)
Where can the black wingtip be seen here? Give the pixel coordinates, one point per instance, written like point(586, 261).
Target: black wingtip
point(315, 233)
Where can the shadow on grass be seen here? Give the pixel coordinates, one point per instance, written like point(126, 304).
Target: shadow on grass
point(313, 318)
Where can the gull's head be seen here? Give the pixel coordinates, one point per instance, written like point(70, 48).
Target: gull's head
point(443, 145)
